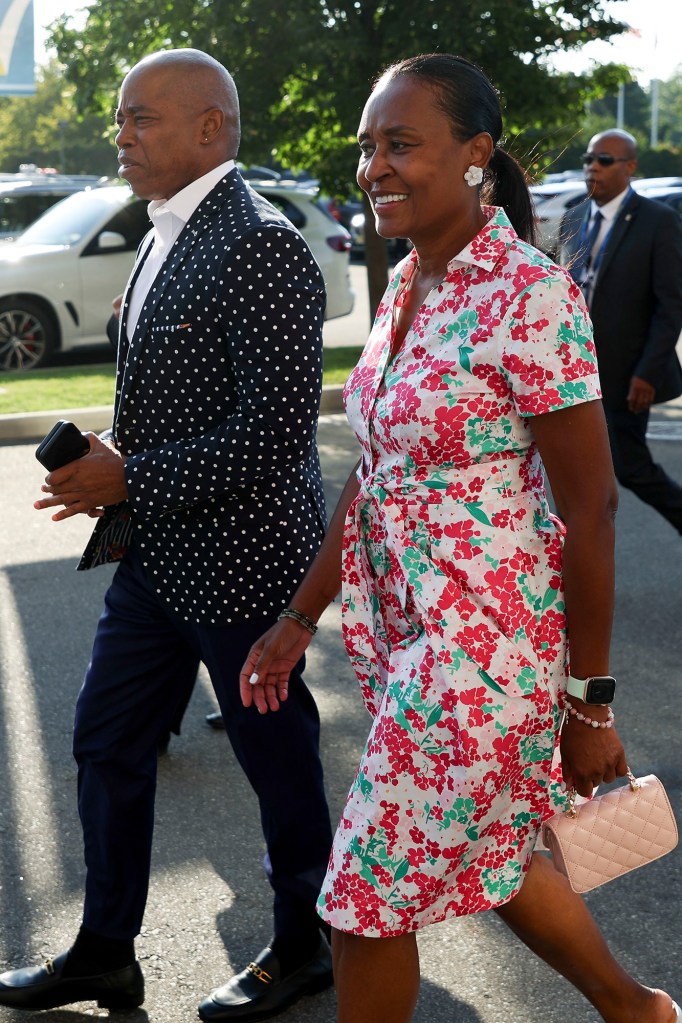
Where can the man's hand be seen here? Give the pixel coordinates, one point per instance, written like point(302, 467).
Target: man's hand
point(640, 395)
point(86, 485)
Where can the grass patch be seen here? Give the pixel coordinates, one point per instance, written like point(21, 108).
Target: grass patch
point(58, 387)
point(67, 387)
point(338, 362)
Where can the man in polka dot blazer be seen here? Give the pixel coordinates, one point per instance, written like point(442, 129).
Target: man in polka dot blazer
point(211, 497)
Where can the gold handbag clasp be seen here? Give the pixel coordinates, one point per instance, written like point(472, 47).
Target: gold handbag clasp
point(572, 795)
point(572, 811)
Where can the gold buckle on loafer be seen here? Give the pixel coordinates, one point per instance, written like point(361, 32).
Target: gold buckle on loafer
point(259, 972)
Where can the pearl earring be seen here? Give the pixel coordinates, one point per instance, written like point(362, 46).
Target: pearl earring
point(474, 176)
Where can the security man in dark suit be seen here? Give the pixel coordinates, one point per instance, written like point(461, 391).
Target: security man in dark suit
point(626, 253)
point(210, 497)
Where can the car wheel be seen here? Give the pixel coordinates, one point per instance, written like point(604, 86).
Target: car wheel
point(27, 335)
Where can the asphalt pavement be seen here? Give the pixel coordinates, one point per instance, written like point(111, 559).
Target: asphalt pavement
point(209, 905)
point(209, 908)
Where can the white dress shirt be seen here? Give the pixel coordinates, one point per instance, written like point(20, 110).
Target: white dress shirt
point(609, 212)
point(168, 217)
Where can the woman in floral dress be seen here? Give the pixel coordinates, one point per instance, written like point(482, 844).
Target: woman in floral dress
point(459, 587)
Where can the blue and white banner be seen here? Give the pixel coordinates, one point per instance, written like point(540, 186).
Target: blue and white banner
point(17, 70)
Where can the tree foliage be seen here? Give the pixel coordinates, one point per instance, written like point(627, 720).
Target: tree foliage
point(47, 130)
point(304, 71)
point(637, 108)
point(670, 110)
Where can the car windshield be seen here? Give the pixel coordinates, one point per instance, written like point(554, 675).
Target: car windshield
point(73, 218)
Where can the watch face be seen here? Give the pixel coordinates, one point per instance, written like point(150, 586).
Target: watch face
point(601, 690)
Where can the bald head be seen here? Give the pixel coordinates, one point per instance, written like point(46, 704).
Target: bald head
point(626, 142)
point(178, 118)
point(198, 82)
point(610, 162)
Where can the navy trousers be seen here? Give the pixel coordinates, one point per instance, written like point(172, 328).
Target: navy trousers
point(143, 667)
point(635, 468)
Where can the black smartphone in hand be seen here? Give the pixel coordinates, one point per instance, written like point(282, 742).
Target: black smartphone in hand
point(64, 443)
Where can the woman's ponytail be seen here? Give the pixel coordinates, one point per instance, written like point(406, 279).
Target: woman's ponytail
point(505, 184)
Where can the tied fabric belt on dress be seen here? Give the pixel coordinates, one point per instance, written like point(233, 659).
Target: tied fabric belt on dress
point(454, 614)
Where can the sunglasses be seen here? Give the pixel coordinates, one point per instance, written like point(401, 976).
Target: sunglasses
point(603, 159)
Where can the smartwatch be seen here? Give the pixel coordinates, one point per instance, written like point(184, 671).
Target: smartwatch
point(596, 689)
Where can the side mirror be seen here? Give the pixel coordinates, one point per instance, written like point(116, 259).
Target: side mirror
point(111, 240)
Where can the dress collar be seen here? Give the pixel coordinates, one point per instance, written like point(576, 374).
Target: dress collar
point(488, 246)
point(491, 242)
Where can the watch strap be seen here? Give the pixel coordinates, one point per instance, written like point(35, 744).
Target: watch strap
point(578, 687)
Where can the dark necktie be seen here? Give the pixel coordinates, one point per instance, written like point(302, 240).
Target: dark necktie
point(586, 243)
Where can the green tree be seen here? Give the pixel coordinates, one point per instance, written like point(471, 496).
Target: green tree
point(304, 73)
point(46, 129)
point(670, 110)
point(602, 114)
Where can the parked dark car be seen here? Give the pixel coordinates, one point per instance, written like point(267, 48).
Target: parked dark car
point(352, 216)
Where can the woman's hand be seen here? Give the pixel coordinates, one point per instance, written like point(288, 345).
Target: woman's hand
point(264, 679)
point(574, 447)
point(590, 756)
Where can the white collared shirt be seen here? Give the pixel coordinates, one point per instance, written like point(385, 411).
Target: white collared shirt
point(168, 217)
point(609, 212)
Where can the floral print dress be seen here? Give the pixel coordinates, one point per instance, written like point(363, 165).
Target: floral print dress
point(452, 593)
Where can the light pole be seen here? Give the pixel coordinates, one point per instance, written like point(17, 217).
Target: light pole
point(653, 139)
point(620, 108)
point(62, 156)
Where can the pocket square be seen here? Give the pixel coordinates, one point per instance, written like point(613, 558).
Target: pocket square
point(110, 539)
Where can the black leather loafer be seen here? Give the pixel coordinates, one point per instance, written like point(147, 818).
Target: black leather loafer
point(260, 992)
point(44, 987)
point(215, 721)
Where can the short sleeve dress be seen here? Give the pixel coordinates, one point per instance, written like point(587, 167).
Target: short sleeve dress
point(452, 602)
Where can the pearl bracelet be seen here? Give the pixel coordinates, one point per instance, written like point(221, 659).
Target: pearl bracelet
point(591, 722)
point(298, 616)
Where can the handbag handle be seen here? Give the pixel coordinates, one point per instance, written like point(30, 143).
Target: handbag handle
point(572, 795)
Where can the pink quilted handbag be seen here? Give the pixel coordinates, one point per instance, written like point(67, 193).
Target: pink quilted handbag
point(611, 834)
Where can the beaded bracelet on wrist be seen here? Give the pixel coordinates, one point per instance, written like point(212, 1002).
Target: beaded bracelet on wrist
point(298, 616)
point(591, 722)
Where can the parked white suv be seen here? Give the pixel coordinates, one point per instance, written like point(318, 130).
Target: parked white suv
point(57, 280)
point(25, 197)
